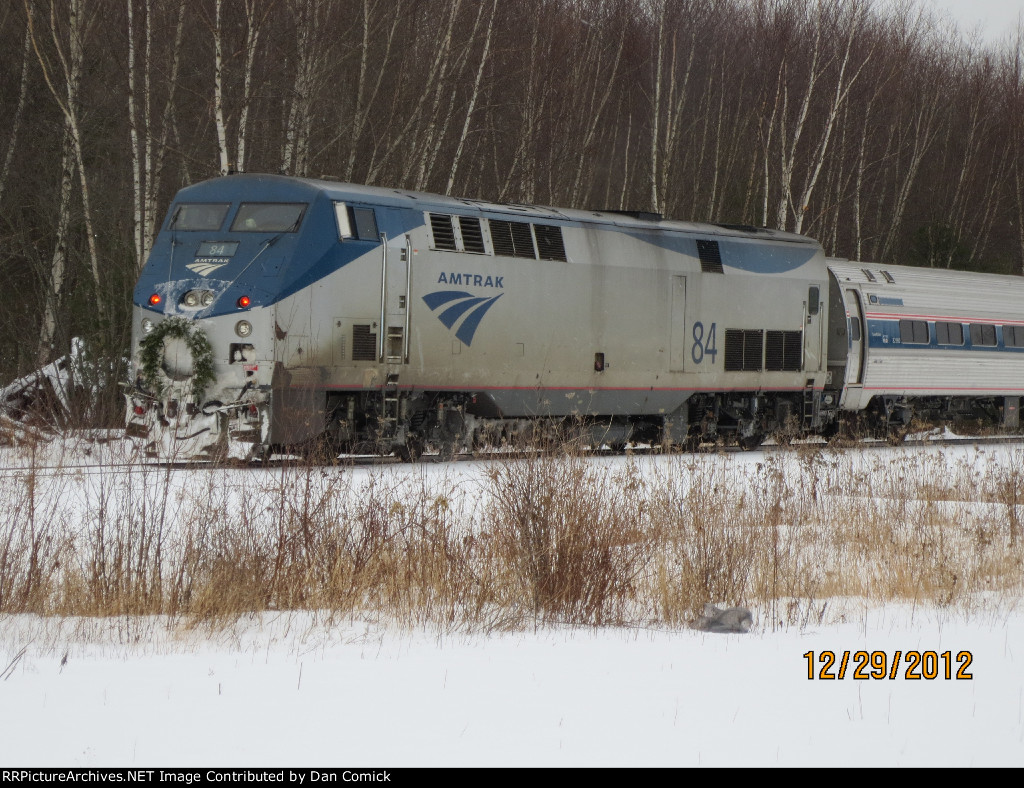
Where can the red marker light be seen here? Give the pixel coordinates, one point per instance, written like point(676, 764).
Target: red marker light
point(243, 301)
point(155, 299)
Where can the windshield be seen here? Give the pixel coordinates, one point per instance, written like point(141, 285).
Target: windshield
point(199, 216)
point(264, 217)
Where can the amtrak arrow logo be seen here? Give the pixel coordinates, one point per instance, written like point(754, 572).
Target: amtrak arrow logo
point(471, 309)
point(205, 267)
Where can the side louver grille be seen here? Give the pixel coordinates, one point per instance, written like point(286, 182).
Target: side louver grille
point(710, 257)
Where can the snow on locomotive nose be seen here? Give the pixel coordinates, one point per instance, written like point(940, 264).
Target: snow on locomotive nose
point(202, 335)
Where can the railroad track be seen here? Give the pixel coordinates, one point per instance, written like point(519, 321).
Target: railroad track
point(365, 460)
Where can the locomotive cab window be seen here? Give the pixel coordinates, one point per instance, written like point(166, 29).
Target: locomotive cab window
point(266, 217)
point(366, 224)
point(342, 217)
point(198, 216)
point(913, 332)
point(358, 223)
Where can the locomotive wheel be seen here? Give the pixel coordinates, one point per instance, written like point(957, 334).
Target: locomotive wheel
point(896, 436)
point(751, 442)
point(411, 450)
point(783, 438)
point(259, 453)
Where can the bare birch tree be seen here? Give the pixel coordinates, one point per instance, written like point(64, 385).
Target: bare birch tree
point(516, 174)
point(594, 78)
point(19, 110)
point(148, 138)
point(233, 157)
point(58, 39)
point(663, 130)
point(311, 55)
point(822, 23)
point(1012, 90)
point(472, 100)
point(370, 77)
point(852, 19)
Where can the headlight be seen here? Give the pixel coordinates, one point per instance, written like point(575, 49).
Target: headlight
point(243, 328)
point(147, 325)
point(194, 298)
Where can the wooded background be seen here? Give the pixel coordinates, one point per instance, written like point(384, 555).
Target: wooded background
point(883, 133)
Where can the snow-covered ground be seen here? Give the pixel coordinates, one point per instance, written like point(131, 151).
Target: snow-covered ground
point(291, 690)
point(294, 689)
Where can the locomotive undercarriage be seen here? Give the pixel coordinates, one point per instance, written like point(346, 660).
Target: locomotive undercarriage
point(448, 424)
point(894, 417)
point(748, 418)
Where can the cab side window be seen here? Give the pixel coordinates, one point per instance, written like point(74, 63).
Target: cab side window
point(358, 223)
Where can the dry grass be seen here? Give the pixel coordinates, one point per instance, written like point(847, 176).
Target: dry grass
point(551, 538)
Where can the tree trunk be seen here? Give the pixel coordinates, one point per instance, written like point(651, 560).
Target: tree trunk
point(70, 55)
point(19, 110)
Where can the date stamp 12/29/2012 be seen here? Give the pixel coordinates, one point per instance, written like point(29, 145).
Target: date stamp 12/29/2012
point(908, 665)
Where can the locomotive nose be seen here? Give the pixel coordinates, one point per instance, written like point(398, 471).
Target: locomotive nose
point(177, 362)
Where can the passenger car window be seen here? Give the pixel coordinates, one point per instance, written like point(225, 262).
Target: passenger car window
point(1013, 336)
point(913, 332)
point(983, 334)
point(949, 333)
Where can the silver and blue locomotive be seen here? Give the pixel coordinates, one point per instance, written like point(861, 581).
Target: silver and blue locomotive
point(282, 312)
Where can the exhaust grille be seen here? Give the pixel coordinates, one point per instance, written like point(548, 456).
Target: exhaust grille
point(744, 349)
point(364, 344)
point(710, 257)
point(512, 239)
point(472, 235)
point(783, 351)
point(444, 235)
point(549, 242)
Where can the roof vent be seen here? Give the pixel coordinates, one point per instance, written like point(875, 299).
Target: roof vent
point(645, 216)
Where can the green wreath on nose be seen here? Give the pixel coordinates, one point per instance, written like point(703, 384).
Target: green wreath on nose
point(151, 356)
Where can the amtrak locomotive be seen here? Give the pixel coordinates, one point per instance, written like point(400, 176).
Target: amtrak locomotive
point(282, 312)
